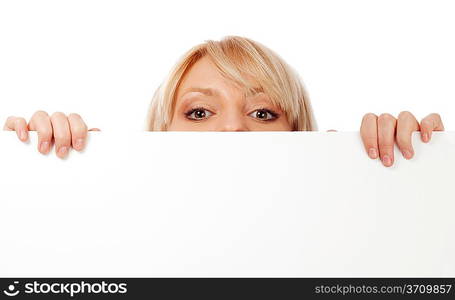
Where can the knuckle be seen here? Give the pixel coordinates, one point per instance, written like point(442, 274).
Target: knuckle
point(19, 120)
point(58, 114)
point(405, 115)
point(10, 119)
point(436, 116)
point(386, 117)
point(74, 115)
point(41, 113)
point(426, 122)
point(369, 116)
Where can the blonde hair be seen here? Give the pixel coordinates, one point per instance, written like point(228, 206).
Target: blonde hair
point(239, 59)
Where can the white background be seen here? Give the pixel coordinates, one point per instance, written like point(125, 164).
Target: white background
point(104, 59)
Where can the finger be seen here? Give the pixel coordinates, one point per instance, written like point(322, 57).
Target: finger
point(62, 134)
point(41, 123)
point(78, 131)
point(386, 138)
point(19, 125)
point(430, 123)
point(369, 134)
point(10, 124)
point(406, 124)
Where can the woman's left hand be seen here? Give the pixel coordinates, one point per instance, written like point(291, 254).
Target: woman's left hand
point(379, 133)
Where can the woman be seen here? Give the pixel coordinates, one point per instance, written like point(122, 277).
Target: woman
point(235, 84)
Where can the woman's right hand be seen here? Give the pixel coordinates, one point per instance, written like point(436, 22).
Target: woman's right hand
point(67, 131)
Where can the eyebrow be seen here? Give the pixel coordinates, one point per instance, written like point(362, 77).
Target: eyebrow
point(257, 90)
point(205, 91)
point(212, 92)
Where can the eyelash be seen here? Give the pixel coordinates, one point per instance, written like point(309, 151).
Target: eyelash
point(188, 113)
point(274, 114)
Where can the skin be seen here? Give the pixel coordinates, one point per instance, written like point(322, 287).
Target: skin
point(206, 101)
point(223, 103)
point(65, 131)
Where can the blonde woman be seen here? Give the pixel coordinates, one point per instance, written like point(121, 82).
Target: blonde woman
point(235, 84)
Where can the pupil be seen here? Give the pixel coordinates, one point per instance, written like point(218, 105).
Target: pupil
point(200, 114)
point(261, 114)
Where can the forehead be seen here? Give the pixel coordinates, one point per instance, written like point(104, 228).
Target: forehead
point(203, 74)
point(205, 77)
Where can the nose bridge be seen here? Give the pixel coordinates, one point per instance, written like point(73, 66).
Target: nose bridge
point(232, 117)
point(232, 120)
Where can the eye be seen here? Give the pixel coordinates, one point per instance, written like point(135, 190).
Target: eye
point(264, 115)
point(198, 113)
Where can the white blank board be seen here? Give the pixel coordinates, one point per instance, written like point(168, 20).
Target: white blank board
point(227, 204)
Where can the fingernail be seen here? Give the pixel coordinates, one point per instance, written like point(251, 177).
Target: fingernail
point(372, 153)
point(425, 137)
point(62, 151)
point(407, 154)
point(79, 143)
point(386, 160)
point(23, 135)
point(44, 147)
